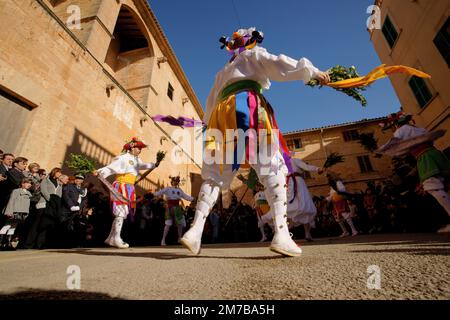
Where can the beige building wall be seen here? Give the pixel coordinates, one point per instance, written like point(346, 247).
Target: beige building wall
point(417, 23)
point(69, 90)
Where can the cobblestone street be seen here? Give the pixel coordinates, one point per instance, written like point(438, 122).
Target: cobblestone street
point(412, 266)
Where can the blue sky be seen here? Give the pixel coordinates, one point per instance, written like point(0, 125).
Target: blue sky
point(327, 32)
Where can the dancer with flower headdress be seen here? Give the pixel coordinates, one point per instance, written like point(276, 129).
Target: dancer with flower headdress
point(174, 211)
point(236, 102)
point(433, 166)
point(126, 167)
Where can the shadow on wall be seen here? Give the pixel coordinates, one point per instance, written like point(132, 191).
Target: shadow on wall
point(86, 146)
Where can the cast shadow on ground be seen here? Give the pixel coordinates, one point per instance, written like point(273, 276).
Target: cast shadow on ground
point(412, 251)
point(41, 294)
point(159, 255)
point(381, 240)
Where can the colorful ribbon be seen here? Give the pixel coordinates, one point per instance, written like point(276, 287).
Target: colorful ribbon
point(376, 74)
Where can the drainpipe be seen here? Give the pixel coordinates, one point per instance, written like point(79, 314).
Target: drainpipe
point(322, 144)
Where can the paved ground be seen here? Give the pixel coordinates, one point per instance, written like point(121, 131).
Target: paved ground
point(413, 266)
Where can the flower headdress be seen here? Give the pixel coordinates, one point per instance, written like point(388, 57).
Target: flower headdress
point(134, 143)
point(175, 180)
point(398, 118)
point(241, 40)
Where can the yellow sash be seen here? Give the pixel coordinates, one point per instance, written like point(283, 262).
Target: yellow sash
point(126, 178)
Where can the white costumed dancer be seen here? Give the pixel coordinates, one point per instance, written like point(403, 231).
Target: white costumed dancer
point(236, 102)
point(301, 208)
point(341, 209)
point(174, 211)
point(126, 168)
point(432, 165)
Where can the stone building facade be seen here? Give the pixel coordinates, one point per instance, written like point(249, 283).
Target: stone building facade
point(417, 34)
point(82, 76)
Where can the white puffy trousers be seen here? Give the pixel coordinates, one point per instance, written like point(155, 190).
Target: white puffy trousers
point(114, 239)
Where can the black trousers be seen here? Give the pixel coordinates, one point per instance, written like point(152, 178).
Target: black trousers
point(35, 221)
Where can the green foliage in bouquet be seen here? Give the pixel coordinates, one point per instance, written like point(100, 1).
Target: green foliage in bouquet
point(368, 141)
point(80, 164)
point(251, 180)
point(160, 156)
point(339, 73)
point(332, 159)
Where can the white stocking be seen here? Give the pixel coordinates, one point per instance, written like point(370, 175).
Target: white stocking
point(443, 198)
point(209, 192)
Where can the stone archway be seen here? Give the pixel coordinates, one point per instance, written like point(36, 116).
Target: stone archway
point(130, 55)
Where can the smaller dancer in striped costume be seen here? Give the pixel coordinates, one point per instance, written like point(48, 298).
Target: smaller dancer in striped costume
point(174, 212)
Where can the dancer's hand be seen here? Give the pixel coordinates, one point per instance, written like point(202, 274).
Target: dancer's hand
point(323, 77)
point(95, 173)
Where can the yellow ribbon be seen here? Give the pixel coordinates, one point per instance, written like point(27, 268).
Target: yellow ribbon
point(377, 73)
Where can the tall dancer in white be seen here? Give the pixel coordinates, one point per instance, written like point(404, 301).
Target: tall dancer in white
point(236, 102)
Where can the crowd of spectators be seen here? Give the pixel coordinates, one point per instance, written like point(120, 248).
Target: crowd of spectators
point(41, 209)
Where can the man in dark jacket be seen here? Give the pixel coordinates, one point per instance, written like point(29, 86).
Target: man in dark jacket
point(5, 165)
point(74, 199)
point(16, 174)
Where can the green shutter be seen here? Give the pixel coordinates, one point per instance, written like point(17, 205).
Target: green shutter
point(421, 92)
point(389, 31)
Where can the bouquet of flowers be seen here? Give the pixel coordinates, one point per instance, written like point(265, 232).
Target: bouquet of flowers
point(332, 159)
point(81, 164)
point(368, 141)
point(339, 73)
point(160, 156)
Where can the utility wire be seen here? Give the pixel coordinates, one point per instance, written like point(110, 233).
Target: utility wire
point(236, 12)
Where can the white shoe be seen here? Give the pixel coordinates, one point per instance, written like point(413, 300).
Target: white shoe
point(192, 241)
point(345, 234)
point(163, 243)
point(354, 233)
point(445, 229)
point(109, 242)
point(263, 239)
point(283, 244)
point(119, 244)
point(14, 244)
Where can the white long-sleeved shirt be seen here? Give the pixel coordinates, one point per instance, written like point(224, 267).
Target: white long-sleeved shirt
point(259, 65)
point(299, 165)
point(407, 132)
point(173, 193)
point(125, 163)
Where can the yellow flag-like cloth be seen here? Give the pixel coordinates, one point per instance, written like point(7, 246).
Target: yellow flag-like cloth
point(377, 73)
